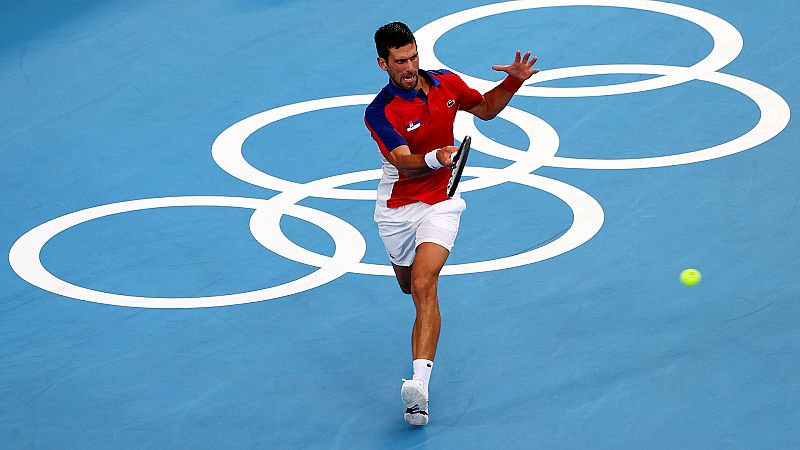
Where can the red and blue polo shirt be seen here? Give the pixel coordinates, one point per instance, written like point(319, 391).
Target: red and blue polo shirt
point(399, 117)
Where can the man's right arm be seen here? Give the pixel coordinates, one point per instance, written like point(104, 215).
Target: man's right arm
point(410, 165)
point(395, 148)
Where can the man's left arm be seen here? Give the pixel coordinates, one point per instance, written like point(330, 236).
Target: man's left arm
point(495, 100)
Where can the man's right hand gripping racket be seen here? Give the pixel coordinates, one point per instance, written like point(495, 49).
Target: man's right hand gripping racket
point(459, 161)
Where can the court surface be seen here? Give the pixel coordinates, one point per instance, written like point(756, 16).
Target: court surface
point(192, 261)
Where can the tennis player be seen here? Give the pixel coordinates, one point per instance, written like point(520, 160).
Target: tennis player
point(411, 120)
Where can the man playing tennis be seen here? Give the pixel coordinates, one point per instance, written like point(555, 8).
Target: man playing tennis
point(411, 120)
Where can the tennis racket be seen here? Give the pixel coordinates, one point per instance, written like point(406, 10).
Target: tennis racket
point(459, 161)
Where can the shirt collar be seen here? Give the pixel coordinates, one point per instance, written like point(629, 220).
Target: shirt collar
point(411, 95)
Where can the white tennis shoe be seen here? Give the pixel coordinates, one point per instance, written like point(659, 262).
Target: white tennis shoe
point(416, 400)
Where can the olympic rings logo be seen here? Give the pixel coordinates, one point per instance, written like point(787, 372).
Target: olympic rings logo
point(350, 244)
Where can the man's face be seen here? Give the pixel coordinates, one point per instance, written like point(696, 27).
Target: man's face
point(402, 66)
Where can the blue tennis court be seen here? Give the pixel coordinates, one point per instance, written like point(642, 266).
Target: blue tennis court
point(192, 262)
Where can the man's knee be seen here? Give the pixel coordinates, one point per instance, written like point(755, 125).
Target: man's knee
point(424, 287)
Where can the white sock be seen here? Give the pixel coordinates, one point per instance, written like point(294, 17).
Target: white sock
point(422, 371)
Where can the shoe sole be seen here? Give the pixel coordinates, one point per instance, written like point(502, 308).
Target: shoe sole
point(417, 420)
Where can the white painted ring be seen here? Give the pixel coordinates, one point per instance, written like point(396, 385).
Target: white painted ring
point(25, 260)
point(727, 46)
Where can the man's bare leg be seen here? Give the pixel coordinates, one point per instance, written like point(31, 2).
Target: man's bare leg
point(403, 274)
point(428, 263)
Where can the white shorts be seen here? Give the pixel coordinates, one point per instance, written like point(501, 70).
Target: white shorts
point(403, 229)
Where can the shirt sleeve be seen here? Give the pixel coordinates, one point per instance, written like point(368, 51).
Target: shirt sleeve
point(468, 97)
point(382, 130)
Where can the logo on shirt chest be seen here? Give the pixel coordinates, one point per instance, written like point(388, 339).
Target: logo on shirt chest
point(450, 103)
point(413, 125)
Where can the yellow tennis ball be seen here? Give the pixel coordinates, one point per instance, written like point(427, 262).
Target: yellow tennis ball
point(690, 277)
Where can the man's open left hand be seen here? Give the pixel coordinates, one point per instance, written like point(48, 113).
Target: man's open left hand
point(521, 69)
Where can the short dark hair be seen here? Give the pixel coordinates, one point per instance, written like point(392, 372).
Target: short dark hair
point(392, 35)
